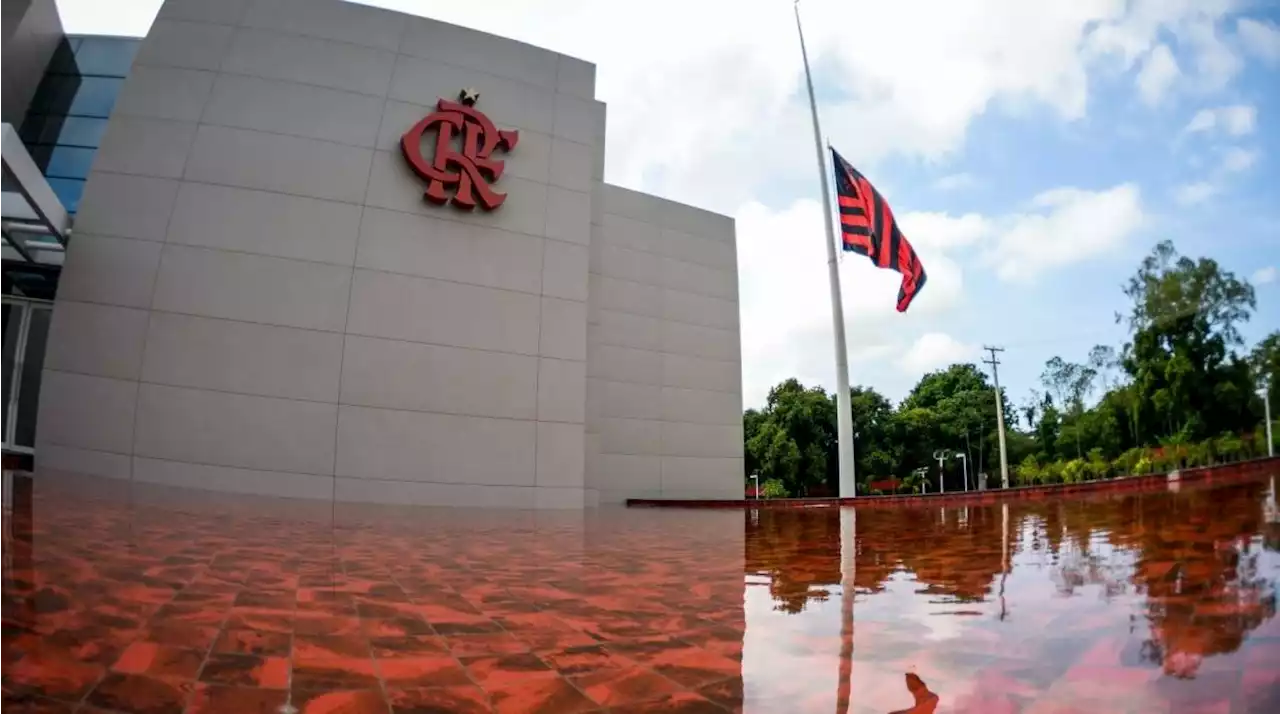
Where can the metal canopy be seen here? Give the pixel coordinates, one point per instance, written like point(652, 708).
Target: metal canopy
point(34, 222)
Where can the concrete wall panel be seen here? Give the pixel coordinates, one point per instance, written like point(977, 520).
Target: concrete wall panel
point(232, 480)
point(222, 429)
point(145, 147)
point(165, 93)
point(562, 390)
point(567, 215)
point(102, 340)
point(126, 206)
point(392, 445)
point(295, 109)
point(431, 378)
point(86, 411)
point(576, 78)
point(252, 288)
point(450, 250)
point(329, 20)
point(511, 104)
point(310, 60)
point(284, 164)
point(265, 223)
point(111, 271)
point(242, 357)
point(223, 12)
point(402, 307)
point(190, 45)
point(480, 51)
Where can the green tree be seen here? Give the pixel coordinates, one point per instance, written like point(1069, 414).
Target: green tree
point(878, 449)
point(1185, 320)
point(1264, 360)
point(776, 454)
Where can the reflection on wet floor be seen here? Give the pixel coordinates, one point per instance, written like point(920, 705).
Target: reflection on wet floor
point(122, 597)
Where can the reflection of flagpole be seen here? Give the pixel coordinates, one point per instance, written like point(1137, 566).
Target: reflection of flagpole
point(848, 570)
point(844, 414)
point(1004, 553)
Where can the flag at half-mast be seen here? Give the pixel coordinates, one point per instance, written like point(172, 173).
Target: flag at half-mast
point(867, 227)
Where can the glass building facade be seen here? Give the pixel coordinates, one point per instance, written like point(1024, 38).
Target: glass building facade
point(62, 129)
point(69, 112)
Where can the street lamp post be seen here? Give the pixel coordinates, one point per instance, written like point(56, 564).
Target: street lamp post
point(756, 478)
point(965, 458)
point(1266, 412)
point(941, 455)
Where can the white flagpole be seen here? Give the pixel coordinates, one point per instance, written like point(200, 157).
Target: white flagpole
point(844, 416)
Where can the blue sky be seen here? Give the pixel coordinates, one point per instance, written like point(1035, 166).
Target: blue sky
point(1033, 151)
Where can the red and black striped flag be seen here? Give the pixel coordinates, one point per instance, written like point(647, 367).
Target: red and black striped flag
point(867, 227)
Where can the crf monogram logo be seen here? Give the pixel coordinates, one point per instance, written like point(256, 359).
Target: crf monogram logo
point(468, 172)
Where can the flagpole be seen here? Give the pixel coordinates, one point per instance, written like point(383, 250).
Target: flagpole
point(844, 415)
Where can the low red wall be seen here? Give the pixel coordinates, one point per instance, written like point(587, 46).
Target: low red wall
point(1239, 470)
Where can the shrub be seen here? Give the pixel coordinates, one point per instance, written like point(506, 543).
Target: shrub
point(1028, 472)
point(1228, 447)
point(1097, 466)
point(773, 488)
point(1074, 471)
point(1127, 463)
point(1144, 466)
point(1052, 472)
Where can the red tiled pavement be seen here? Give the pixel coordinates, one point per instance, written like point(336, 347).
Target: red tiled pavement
point(126, 598)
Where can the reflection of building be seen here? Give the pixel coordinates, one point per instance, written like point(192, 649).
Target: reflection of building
point(258, 299)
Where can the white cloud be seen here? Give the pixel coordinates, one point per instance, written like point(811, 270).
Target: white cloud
point(1134, 37)
point(955, 182)
point(1264, 276)
point(1237, 159)
point(934, 350)
point(1260, 39)
point(1234, 120)
point(1159, 72)
point(704, 100)
point(786, 300)
point(1193, 193)
point(1234, 160)
point(1069, 225)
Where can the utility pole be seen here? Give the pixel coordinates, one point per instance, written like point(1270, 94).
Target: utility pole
point(995, 377)
point(1266, 405)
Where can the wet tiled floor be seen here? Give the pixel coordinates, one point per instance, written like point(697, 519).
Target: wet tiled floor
point(121, 597)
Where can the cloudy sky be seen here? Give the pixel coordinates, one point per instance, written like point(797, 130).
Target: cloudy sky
point(1033, 151)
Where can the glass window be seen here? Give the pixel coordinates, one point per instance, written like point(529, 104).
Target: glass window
point(12, 322)
point(95, 96)
point(106, 56)
point(73, 131)
point(68, 192)
point(55, 94)
point(24, 433)
point(69, 162)
point(64, 57)
point(32, 127)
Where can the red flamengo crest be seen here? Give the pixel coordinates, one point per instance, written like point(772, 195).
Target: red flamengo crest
point(467, 172)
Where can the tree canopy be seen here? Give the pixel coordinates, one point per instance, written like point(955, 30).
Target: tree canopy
point(1182, 377)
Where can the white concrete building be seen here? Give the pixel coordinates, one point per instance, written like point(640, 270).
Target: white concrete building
point(257, 298)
